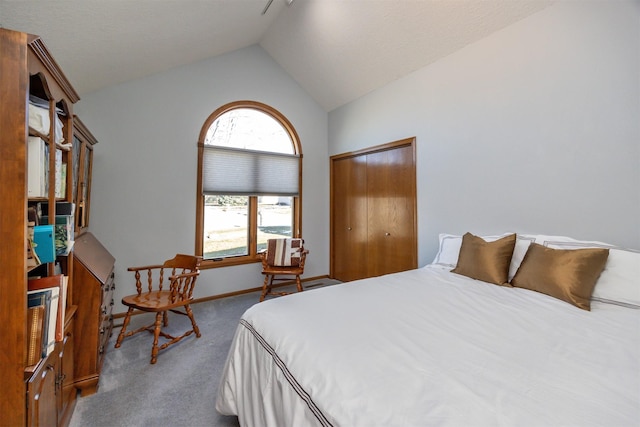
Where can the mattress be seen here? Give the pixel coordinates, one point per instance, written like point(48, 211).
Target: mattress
point(428, 347)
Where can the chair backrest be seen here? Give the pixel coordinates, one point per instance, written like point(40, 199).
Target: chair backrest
point(285, 252)
point(184, 272)
point(184, 262)
point(180, 265)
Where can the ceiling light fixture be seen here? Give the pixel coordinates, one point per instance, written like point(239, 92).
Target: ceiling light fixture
point(271, 1)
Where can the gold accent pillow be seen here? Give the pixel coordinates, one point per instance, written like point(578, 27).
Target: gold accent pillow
point(486, 261)
point(566, 274)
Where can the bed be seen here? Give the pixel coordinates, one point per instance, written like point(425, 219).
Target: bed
point(430, 347)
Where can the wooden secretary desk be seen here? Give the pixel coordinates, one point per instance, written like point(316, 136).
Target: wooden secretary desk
point(45, 392)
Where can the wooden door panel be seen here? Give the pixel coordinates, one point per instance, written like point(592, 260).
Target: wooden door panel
point(349, 228)
point(42, 394)
point(391, 211)
point(68, 393)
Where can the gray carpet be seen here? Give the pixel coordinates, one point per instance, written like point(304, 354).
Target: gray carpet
point(180, 389)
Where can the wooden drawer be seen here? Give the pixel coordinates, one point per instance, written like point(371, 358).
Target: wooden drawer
point(106, 310)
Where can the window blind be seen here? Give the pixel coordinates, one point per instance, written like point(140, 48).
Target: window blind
point(248, 172)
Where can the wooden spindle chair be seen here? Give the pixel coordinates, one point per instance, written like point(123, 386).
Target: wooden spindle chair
point(160, 297)
point(283, 260)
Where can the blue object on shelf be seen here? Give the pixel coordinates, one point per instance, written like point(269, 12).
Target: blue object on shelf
point(45, 246)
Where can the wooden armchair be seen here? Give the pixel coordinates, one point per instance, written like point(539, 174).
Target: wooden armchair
point(283, 260)
point(160, 297)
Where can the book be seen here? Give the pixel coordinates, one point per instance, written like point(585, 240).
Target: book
point(63, 233)
point(61, 282)
point(63, 174)
point(63, 309)
point(43, 239)
point(38, 166)
point(36, 299)
point(49, 298)
point(35, 324)
point(59, 179)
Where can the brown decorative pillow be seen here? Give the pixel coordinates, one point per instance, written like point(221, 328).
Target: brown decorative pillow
point(486, 261)
point(569, 275)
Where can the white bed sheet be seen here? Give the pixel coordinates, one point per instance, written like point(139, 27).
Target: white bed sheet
point(428, 347)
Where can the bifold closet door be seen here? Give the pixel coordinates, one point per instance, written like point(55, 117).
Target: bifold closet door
point(373, 211)
point(349, 213)
point(391, 211)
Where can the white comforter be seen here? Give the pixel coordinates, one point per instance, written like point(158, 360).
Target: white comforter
point(431, 348)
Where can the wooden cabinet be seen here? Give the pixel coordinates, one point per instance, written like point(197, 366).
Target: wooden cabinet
point(94, 284)
point(44, 394)
point(373, 211)
point(26, 69)
point(51, 394)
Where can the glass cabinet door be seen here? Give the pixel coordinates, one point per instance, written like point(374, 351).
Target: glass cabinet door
point(75, 169)
point(83, 142)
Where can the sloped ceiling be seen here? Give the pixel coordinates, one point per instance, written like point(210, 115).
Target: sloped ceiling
point(337, 50)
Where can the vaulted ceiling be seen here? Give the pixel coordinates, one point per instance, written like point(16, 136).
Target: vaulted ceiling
point(337, 50)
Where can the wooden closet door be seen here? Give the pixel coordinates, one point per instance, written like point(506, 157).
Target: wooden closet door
point(373, 211)
point(391, 207)
point(349, 223)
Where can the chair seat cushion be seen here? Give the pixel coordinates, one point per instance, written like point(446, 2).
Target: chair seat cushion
point(152, 301)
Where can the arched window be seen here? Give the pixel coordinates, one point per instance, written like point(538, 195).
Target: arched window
point(249, 183)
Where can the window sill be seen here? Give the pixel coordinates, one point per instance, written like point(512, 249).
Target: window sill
point(227, 262)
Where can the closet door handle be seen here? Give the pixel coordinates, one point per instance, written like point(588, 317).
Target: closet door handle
point(387, 234)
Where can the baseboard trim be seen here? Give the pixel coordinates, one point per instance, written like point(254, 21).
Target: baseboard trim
point(232, 294)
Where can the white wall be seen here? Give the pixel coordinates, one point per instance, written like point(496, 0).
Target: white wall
point(532, 129)
point(144, 175)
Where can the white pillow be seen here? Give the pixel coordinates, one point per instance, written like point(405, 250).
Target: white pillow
point(620, 279)
point(563, 242)
point(619, 282)
point(449, 249)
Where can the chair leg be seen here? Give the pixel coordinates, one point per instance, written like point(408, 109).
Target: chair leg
point(193, 320)
point(265, 287)
point(156, 335)
point(127, 318)
point(298, 283)
point(270, 287)
point(165, 319)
